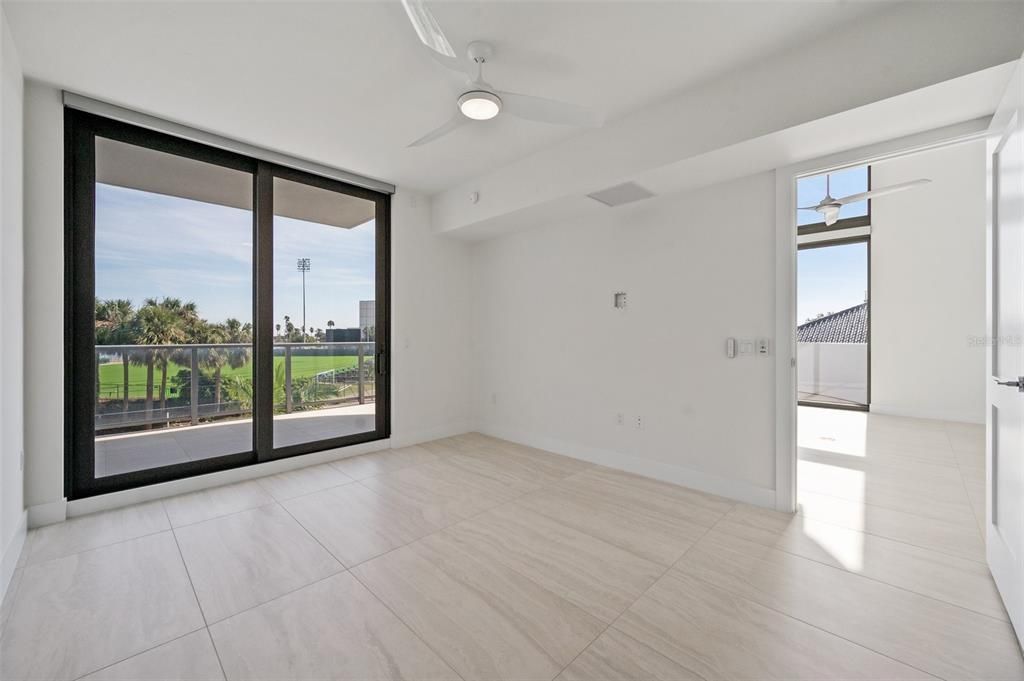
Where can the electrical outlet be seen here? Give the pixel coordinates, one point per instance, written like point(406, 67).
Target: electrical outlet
point(620, 419)
point(639, 422)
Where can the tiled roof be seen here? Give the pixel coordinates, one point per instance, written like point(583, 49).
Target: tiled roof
point(846, 326)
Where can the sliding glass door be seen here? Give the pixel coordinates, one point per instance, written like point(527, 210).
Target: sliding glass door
point(221, 311)
point(325, 301)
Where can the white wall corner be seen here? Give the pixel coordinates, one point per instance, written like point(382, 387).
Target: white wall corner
point(48, 513)
point(930, 412)
point(415, 437)
point(12, 554)
point(665, 472)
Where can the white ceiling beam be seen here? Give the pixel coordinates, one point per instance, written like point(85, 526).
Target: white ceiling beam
point(907, 49)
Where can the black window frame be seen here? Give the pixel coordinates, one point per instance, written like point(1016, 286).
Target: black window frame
point(80, 132)
point(844, 241)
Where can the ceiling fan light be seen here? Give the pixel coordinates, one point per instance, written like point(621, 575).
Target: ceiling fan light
point(479, 105)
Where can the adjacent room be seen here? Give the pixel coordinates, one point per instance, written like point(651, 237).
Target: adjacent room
point(575, 340)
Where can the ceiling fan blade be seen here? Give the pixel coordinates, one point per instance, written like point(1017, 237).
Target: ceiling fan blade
point(456, 121)
point(882, 191)
point(433, 38)
point(807, 208)
point(427, 28)
point(549, 110)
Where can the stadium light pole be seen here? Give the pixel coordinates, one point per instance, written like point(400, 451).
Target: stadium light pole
point(303, 266)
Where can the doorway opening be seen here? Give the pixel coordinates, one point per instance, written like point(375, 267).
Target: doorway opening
point(888, 323)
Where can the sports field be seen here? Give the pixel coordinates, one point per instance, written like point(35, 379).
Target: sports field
point(112, 377)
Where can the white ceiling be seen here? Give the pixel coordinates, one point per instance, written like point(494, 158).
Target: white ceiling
point(346, 83)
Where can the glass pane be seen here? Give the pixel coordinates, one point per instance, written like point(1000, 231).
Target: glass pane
point(324, 314)
point(832, 331)
point(811, 190)
point(173, 309)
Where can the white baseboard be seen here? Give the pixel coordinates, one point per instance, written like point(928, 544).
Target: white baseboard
point(404, 438)
point(677, 475)
point(955, 415)
point(11, 555)
point(47, 514)
point(105, 502)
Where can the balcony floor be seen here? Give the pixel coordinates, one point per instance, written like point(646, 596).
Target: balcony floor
point(826, 400)
point(127, 452)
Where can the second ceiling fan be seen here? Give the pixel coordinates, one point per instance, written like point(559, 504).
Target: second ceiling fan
point(829, 207)
point(480, 101)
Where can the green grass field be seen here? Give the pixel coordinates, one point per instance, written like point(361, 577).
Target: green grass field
point(112, 377)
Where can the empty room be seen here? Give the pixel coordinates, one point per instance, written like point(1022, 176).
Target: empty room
point(487, 339)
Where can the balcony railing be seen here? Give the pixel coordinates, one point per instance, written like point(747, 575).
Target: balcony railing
point(206, 382)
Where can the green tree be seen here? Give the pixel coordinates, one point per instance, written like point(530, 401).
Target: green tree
point(114, 327)
point(239, 388)
point(165, 322)
point(237, 333)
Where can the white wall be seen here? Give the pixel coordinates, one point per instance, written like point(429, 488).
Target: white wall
point(44, 303)
point(431, 308)
point(12, 506)
point(928, 286)
point(430, 301)
point(833, 369)
point(555, 363)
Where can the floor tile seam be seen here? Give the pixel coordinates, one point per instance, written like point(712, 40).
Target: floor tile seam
point(816, 626)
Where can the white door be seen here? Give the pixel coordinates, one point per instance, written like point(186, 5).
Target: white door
point(1005, 401)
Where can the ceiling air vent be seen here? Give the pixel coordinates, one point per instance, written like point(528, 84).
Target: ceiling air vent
point(627, 192)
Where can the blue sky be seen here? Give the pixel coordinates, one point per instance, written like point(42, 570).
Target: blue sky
point(810, 190)
point(831, 278)
point(151, 245)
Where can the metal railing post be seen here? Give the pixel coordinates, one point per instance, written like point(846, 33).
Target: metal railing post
point(194, 386)
point(362, 386)
point(288, 379)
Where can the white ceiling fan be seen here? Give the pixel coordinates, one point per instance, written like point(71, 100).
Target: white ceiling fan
point(829, 207)
point(480, 101)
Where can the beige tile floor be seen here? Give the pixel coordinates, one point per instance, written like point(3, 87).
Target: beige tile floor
point(475, 558)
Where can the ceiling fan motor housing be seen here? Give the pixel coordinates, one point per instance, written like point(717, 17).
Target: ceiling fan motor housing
point(480, 105)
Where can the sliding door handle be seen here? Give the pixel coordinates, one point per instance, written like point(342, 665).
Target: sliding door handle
point(1018, 383)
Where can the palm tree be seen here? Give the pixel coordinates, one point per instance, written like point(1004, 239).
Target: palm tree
point(241, 390)
point(165, 322)
point(235, 332)
point(114, 327)
point(215, 358)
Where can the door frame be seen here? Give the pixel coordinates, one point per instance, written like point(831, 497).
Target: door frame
point(785, 276)
point(80, 130)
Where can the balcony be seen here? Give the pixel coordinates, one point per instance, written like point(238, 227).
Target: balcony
point(165, 404)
